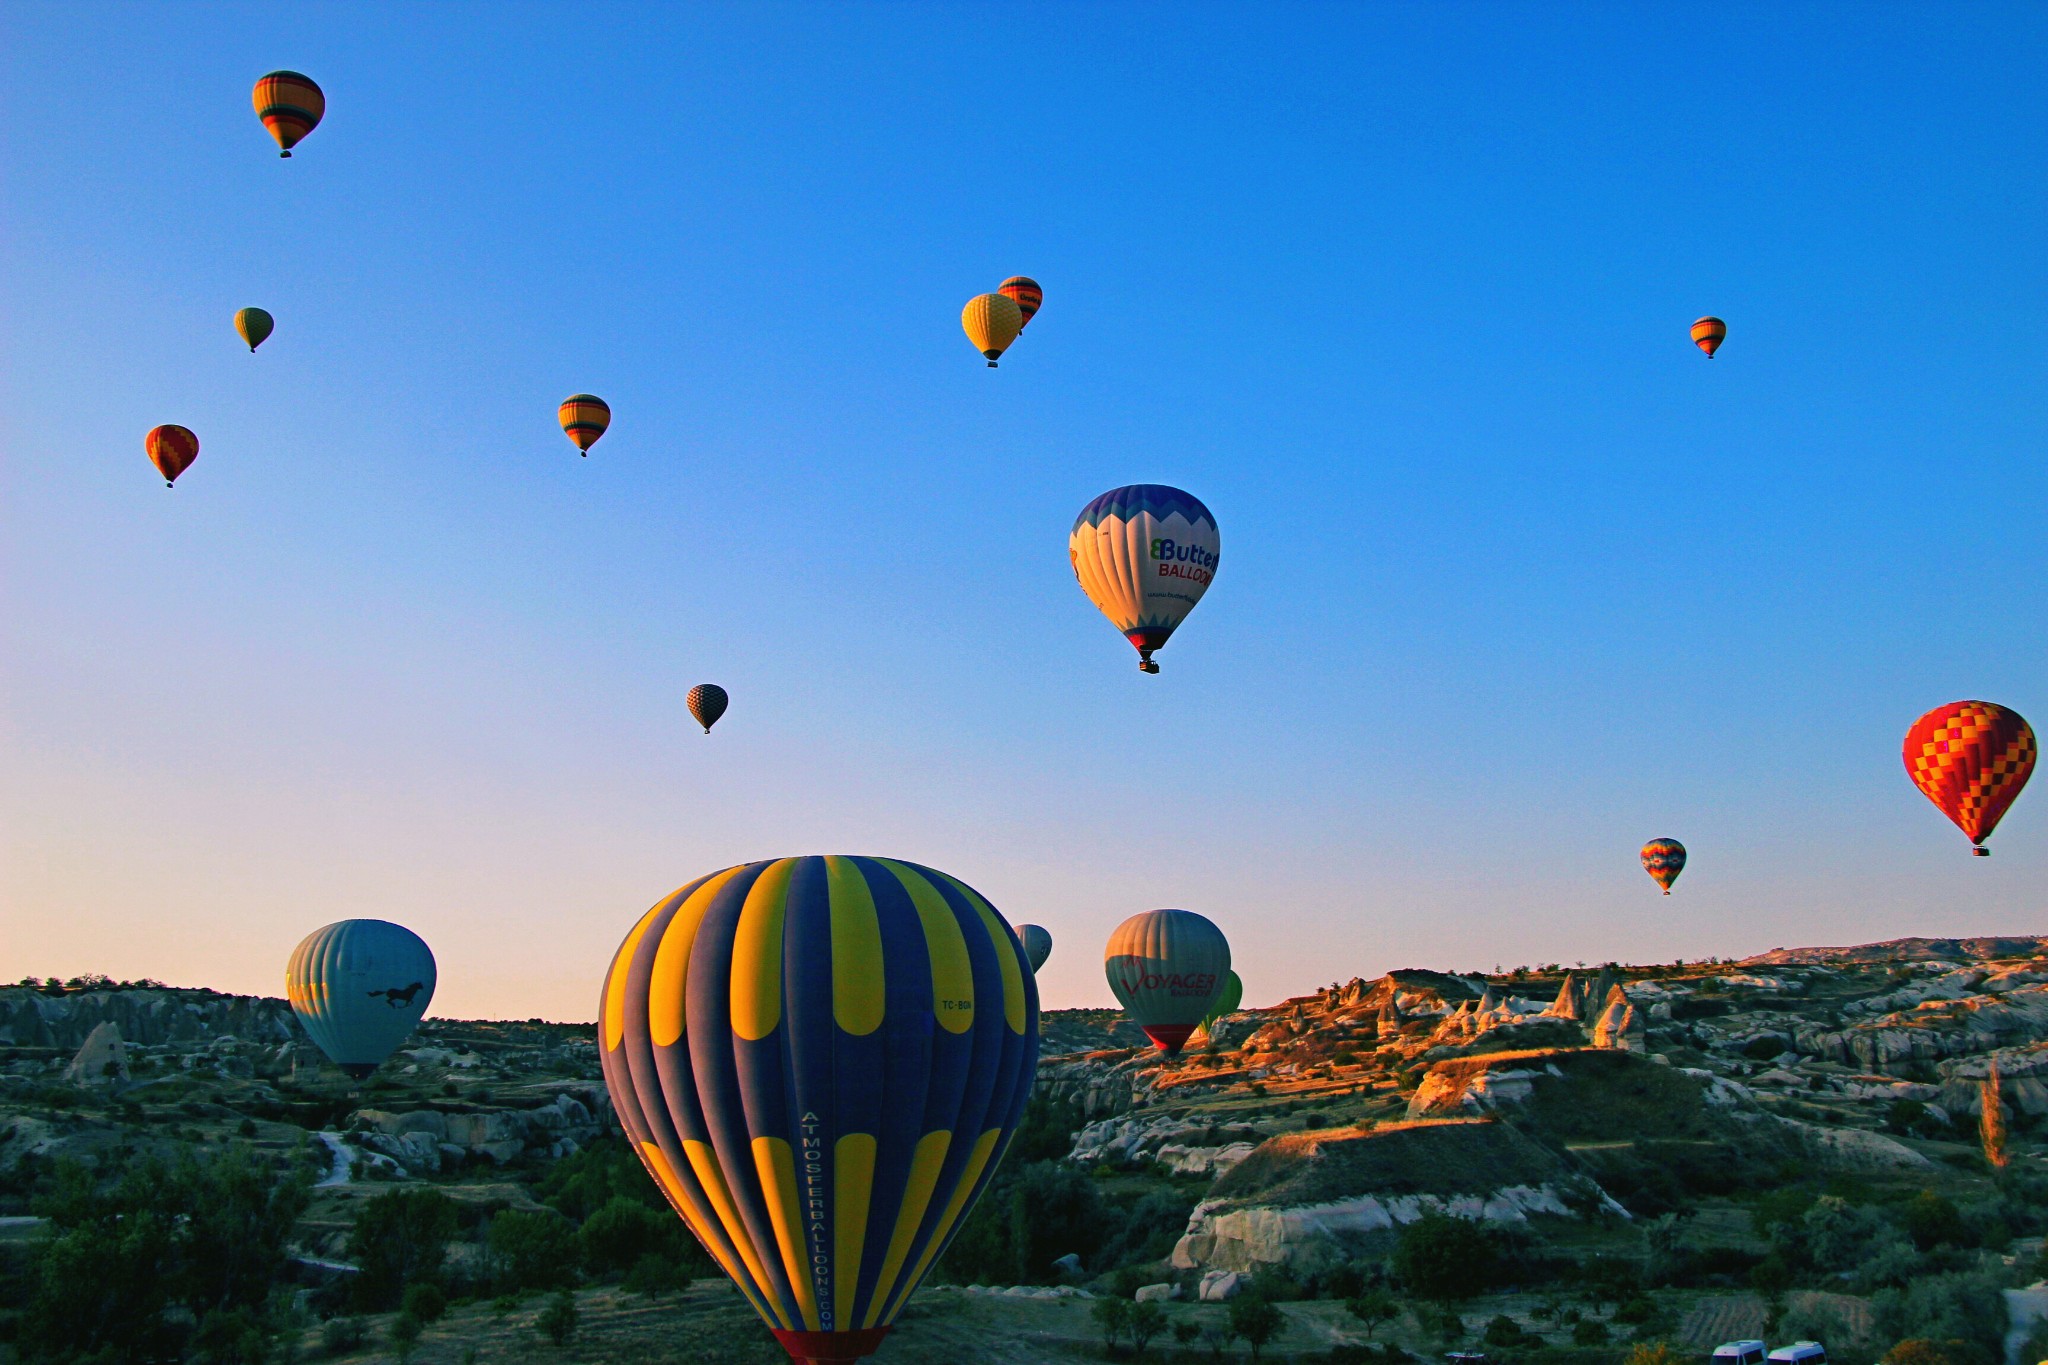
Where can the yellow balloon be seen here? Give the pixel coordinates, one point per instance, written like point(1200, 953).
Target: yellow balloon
point(992, 322)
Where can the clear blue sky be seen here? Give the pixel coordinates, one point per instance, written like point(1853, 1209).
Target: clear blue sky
point(1513, 579)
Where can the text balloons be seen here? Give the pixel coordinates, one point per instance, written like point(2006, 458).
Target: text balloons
point(255, 325)
point(1708, 333)
point(1664, 859)
point(1166, 966)
point(820, 1061)
point(172, 449)
point(707, 703)
point(360, 986)
point(1145, 554)
point(1023, 291)
point(1971, 758)
point(991, 322)
point(290, 106)
point(584, 417)
point(1037, 944)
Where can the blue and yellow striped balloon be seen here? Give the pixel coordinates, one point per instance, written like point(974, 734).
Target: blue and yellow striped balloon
point(820, 1061)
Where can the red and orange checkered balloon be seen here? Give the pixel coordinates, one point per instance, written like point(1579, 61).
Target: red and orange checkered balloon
point(1971, 758)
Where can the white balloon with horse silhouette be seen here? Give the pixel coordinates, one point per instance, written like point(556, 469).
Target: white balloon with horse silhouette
point(360, 986)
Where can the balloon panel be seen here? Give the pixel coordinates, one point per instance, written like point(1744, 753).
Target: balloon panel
point(360, 986)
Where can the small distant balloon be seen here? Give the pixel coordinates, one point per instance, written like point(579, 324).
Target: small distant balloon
point(1707, 334)
point(1228, 997)
point(992, 322)
point(1971, 759)
point(172, 449)
point(290, 105)
point(360, 987)
point(1025, 293)
point(707, 704)
point(255, 325)
point(1037, 944)
point(584, 418)
point(1664, 859)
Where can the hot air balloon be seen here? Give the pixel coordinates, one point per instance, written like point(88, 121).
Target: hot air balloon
point(1037, 944)
point(1971, 758)
point(255, 325)
point(1166, 966)
point(360, 986)
point(172, 449)
point(1707, 334)
point(992, 322)
point(1228, 997)
point(1664, 859)
point(1145, 555)
point(820, 1061)
point(584, 417)
point(1025, 293)
point(290, 106)
point(707, 704)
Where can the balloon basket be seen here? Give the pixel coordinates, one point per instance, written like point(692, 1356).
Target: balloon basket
point(1981, 852)
point(830, 1348)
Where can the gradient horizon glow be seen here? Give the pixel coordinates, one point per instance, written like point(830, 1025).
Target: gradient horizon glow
point(1513, 579)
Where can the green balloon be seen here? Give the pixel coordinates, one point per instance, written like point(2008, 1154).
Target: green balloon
point(1228, 997)
point(254, 324)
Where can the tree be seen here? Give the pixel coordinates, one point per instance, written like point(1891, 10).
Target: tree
point(1375, 1308)
point(1112, 1318)
point(1991, 1123)
point(655, 1274)
point(426, 1302)
point(536, 1250)
point(617, 1235)
point(557, 1322)
point(400, 1238)
point(1255, 1321)
point(1444, 1258)
point(1147, 1321)
point(1933, 1221)
point(405, 1334)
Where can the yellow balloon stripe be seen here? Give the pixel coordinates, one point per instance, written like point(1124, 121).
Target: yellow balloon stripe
point(917, 1197)
point(853, 1186)
point(984, 1148)
point(697, 1217)
point(704, 1161)
point(1006, 955)
point(615, 983)
point(952, 968)
point(858, 996)
point(668, 987)
point(757, 953)
point(777, 1171)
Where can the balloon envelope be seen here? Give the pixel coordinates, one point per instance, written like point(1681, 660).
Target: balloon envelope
point(584, 417)
point(290, 106)
point(707, 703)
point(1971, 758)
point(1023, 291)
point(1708, 333)
point(360, 987)
point(1145, 554)
point(1664, 859)
point(1166, 966)
point(1037, 944)
point(255, 325)
point(172, 449)
point(820, 1061)
point(1226, 1000)
point(992, 322)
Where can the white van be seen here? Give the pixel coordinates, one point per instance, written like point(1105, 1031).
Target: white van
point(1800, 1353)
point(1739, 1353)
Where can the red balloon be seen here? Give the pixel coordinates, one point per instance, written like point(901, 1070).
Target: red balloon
point(1971, 758)
point(172, 449)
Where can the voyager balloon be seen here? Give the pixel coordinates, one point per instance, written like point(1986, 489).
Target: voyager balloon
point(1971, 758)
point(992, 322)
point(360, 986)
point(255, 325)
point(584, 417)
point(820, 1061)
point(1664, 859)
point(707, 703)
point(1166, 966)
point(1145, 555)
point(1707, 334)
point(1037, 944)
point(1023, 291)
point(172, 449)
point(290, 106)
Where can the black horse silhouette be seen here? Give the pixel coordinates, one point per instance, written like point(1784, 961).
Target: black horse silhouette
point(396, 997)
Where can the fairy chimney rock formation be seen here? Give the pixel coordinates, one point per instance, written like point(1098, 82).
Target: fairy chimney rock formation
point(104, 1058)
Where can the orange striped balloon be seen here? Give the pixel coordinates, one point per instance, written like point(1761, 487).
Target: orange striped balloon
point(172, 449)
point(1971, 758)
point(1023, 291)
point(290, 106)
point(1707, 334)
point(584, 418)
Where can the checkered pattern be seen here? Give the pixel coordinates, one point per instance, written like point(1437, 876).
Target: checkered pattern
point(1971, 758)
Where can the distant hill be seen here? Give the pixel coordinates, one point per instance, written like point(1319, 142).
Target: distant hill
point(1907, 950)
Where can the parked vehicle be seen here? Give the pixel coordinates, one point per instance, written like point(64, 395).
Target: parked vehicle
point(1800, 1353)
point(1740, 1353)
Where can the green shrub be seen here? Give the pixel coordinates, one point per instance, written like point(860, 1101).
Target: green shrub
point(557, 1322)
point(618, 1235)
point(341, 1336)
point(400, 1239)
point(404, 1333)
point(535, 1250)
point(426, 1302)
point(1446, 1259)
point(1589, 1332)
point(655, 1274)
